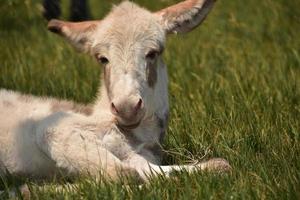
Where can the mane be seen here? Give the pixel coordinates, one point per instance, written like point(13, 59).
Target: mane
point(128, 8)
point(129, 13)
point(130, 20)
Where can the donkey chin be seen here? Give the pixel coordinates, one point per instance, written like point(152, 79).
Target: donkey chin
point(130, 121)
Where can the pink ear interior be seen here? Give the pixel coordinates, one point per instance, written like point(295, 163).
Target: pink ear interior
point(178, 8)
point(184, 6)
point(56, 26)
point(186, 15)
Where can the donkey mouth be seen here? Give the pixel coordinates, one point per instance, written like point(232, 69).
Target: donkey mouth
point(128, 126)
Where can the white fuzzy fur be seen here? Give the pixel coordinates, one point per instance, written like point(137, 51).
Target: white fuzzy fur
point(38, 142)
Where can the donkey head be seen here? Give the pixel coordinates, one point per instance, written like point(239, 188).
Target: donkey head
point(128, 43)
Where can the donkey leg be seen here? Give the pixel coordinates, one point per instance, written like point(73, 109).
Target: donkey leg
point(212, 165)
point(79, 10)
point(88, 158)
point(80, 152)
point(146, 169)
point(51, 9)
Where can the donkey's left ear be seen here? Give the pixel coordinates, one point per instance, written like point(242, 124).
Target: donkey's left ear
point(78, 33)
point(185, 16)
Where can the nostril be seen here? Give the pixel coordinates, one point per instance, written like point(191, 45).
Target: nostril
point(114, 109)
point(139, 105)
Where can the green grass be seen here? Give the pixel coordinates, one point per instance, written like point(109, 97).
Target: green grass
point(234, 93)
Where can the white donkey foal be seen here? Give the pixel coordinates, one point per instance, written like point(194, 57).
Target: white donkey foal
point(123, 131)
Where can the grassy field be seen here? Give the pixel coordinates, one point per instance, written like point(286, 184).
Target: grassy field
point(234, 93)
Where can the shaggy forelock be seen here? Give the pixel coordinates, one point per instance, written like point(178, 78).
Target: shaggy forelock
point(128, 22)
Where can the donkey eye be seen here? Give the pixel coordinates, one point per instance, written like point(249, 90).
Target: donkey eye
point(152, 55)
point(103, 60)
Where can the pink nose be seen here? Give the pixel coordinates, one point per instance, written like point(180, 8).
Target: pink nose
point(127, 108)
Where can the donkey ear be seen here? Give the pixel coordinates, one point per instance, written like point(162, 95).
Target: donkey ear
point(185, 16)
point(78, 33)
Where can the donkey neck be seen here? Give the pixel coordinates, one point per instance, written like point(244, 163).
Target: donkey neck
point(153, 127)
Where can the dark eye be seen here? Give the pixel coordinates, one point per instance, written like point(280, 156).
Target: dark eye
point(152, 54)
point(103, 60)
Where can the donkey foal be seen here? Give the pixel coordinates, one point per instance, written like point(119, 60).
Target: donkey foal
point(122, 132)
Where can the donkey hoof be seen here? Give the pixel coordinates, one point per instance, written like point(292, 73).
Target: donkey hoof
point(216, 165)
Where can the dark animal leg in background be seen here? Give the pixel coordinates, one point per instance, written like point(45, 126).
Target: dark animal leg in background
point(79, 10)
point(51, 9)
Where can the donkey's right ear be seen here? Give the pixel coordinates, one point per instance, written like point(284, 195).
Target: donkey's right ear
point(78, 33)
point(185, 16)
